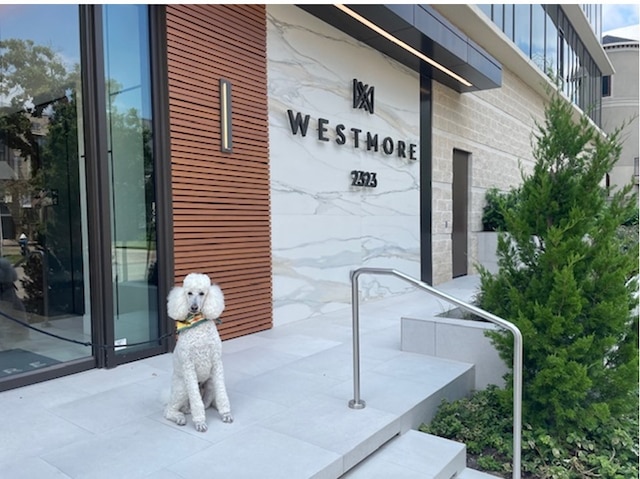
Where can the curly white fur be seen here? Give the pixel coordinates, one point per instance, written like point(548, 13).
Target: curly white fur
point(198, 377)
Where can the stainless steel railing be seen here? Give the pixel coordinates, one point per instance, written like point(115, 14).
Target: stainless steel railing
point(358, 403)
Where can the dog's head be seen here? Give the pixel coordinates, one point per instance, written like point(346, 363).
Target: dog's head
point(196, 287)
point(196, 295)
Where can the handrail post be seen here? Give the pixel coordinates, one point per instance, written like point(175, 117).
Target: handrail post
point(517, 402)
point(356, 402)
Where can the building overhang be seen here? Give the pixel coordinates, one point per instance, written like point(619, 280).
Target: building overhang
point(408, 34)
point(475, 23)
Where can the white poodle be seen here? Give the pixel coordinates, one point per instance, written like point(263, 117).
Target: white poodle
point(198, 377)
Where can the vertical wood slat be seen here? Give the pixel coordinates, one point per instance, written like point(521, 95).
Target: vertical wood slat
point(221, 200)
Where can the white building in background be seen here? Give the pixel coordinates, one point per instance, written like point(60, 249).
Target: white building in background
point(620, 103)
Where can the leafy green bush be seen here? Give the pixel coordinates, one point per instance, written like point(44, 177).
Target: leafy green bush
point(632, 218)
point(496, 204)
point(483, 423)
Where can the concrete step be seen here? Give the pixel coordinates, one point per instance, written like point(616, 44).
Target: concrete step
point(316, 435)
point(468, 473)
point(396, 403)
point(413, 455)
point(416, 455)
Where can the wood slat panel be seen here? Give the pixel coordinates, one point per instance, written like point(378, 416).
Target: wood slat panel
point(221, 201)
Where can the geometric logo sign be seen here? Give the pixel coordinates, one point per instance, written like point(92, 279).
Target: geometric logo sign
point(362, 96)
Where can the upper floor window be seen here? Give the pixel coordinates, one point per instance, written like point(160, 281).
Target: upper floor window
point(545, 34)
point(606, 85)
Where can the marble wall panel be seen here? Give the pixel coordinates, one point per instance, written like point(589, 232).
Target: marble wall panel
point(322, 227)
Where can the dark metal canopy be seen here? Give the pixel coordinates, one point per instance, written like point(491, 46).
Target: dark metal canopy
point(425, 30)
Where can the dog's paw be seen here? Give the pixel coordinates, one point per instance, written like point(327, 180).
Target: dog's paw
point(201, 426)
point(176, 416)
point(228, 418)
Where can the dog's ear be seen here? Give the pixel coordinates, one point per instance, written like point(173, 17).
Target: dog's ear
point(177, 306)
point(213, 303)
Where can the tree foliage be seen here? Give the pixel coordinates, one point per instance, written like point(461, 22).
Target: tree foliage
point(568, 280)
point(497, 202)
point(31, 78)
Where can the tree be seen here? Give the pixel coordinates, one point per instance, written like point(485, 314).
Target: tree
point(568, 280)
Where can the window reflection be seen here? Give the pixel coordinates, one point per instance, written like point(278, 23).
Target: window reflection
point(486, 8)
point(129, 115)
point(43, 262)
point(522, 25)
point(551, 43)
point(538, 22)
point(544, 34)
point(508, 21)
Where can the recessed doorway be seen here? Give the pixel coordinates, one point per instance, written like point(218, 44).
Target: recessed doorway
point(459, 235)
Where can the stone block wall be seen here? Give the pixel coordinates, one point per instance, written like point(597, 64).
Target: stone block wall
point(496, 127)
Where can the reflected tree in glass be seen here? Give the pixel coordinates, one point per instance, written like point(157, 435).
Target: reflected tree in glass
point(38, 123)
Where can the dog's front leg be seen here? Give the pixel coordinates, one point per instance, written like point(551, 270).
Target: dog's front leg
point(195, 400)
point(220, 393)
point(177, 401)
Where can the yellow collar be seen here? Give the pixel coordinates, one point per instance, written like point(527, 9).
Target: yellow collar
point(193, 319)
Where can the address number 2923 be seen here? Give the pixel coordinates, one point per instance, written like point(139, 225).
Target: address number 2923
point(364, 178)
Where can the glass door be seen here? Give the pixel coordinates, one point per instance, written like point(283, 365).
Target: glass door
point(78, 262)
point(131, 180)
point(43, 215)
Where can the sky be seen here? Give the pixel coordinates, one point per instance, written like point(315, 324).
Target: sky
point(619, 15)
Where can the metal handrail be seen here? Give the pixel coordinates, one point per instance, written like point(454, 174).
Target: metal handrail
point(358, 403)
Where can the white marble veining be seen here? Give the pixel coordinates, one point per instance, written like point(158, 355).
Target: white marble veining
point(322, 227)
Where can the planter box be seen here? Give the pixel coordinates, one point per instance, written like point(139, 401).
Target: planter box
point(457, 339)
point(487, 246)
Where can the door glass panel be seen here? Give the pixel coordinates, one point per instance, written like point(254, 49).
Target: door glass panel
point(43, 233)
point(129, 118)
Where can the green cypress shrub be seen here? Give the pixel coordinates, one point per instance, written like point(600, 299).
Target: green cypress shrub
point(568, 280)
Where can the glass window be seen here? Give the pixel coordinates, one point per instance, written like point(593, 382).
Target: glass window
point(571, 71)
point(538, 21)
point(597, 115)
point(486, 9)
point(594, 94)
point(593, 12)
point(564, 49)
point(606, 85)
point(566, 57)
point(522, 27)
point(498, 15)
point(43, 228)
point(508, 21)
point(129, 116)
point(596, 87)
point(582, 78)
point(551, 42)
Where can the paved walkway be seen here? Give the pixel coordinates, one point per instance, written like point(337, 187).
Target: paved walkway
point(288, 387)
